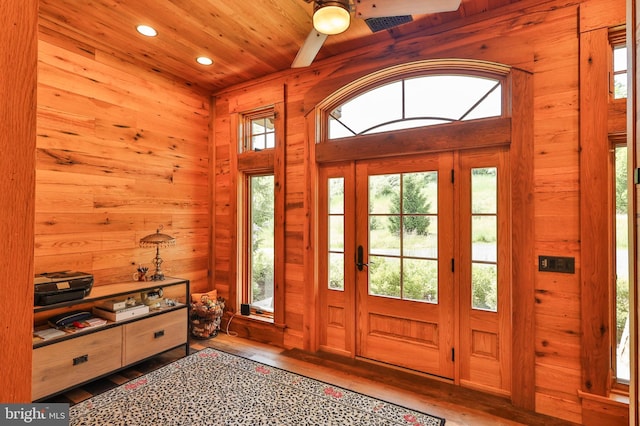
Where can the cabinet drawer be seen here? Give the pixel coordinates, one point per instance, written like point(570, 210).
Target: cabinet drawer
point(153, 335)
point(67, 363)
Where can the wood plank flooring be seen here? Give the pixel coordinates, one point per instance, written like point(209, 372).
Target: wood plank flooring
point(457, 405)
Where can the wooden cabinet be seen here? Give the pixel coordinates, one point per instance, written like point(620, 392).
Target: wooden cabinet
point(142, 339)
point(74, 361)
point(78, 357)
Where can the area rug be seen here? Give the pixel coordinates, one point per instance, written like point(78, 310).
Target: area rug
point(212, 387)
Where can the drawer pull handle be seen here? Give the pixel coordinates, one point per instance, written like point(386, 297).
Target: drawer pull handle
point(81, 359)
point(158, 334)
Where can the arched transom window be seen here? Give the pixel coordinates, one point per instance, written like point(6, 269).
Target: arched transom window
point(417, 101)
point(413, 95)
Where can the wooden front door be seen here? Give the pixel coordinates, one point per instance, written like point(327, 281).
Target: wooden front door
point(415, 264)
point(404, 278)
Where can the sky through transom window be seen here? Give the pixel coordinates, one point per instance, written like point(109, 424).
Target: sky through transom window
point(417, 102)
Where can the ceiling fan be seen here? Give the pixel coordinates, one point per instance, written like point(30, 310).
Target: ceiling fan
point(333, 17)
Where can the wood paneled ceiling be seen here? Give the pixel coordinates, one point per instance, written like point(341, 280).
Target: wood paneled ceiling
point(246, 39)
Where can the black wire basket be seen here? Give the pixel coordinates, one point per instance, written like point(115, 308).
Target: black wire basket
point(205, 317)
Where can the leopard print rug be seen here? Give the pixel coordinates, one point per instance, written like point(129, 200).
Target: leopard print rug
point(212, 387)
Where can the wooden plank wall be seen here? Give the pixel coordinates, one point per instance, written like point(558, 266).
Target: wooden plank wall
point(539, 38)
point(120, 151)
point(18, 47)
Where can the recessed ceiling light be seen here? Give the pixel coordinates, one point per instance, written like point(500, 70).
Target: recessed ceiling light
point(147, 30)
point(203, 60)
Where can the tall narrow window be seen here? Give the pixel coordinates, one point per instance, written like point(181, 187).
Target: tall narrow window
point(258, 151)
point(260, 254)
point(484, 239)
point(619, 72)
point(621, 255)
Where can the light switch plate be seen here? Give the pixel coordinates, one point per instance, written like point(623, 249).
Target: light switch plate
point(565, 265)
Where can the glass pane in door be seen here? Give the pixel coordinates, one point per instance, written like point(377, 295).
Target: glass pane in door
point(336, 233)
point(403, 237)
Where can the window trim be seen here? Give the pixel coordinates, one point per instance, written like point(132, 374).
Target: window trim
point(594, 214)
point(483, 133)
point(406, 71)
point(621, 387)
point(252, 163)
point(245, 129)
point(246, 257)
point(518, 91)
point(617, 38)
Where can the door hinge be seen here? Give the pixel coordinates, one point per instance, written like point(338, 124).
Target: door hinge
point(453, 173)
point(453, 265)
point(453, 355)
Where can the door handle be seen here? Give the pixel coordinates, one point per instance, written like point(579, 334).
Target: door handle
point(359, 263)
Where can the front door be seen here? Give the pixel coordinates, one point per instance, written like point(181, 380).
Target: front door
point(415, 264)
point(404, 279)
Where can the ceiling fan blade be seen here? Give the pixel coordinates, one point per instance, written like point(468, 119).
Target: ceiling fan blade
point(381, 8)
point(309, 49)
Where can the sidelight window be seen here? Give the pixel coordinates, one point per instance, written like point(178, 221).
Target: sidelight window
point(336, 233)
point(484, 238)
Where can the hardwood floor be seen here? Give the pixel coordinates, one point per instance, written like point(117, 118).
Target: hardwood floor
point(457, 405)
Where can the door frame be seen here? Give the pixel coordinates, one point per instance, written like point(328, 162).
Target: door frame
point(515, 131)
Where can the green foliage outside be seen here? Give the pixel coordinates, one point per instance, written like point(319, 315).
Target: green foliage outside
point(262, 275)
point(336, 271)
point(413, 279)
point(413, 202)
point(621, 180)
point(262, 239)
point(417, 278)
point(620, 89)
point(420, 280)
point(622, 281)
point(622, 306)
point(484, 291)
point(384, 276)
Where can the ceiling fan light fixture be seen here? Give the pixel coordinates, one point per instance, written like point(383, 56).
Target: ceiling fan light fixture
point(331, 17)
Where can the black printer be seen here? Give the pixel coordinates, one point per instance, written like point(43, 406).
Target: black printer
point(56, 287)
